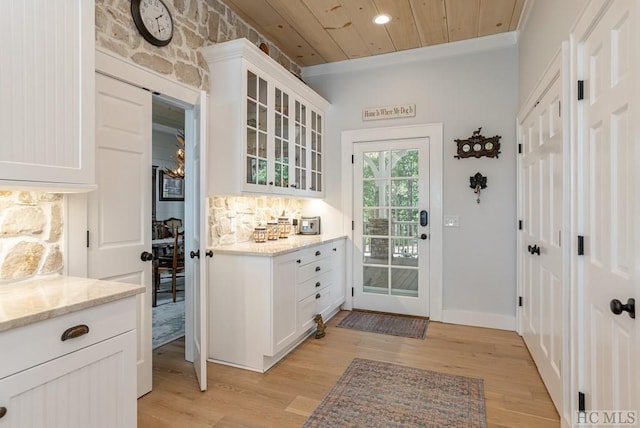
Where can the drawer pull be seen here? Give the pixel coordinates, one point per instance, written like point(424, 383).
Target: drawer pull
point(76, 331)
point(317, 268)
point(3, 411)
point(317, 284)
point(335, 249)
point(298, 261)
point(318, 296)
point(318, 253)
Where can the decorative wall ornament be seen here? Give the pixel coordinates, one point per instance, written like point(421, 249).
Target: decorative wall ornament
point(478, 145)
point(477, 183)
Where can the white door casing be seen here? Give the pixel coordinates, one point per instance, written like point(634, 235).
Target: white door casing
point(196, 216)
point(434, 132)
point(605, 52)
point(119, 212)
point(540, 243)
point(391, 269)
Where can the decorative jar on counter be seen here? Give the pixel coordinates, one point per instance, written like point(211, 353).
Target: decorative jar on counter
point(273, 231)
point(284, 226)
point(260, 234)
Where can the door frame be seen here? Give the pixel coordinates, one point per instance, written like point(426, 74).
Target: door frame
point(126, 71)
point(434, 132)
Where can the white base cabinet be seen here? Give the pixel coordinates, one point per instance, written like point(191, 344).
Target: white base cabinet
point(86, 381)
point(262, 306)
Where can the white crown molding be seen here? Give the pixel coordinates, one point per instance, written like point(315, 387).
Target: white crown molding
point(414, 55)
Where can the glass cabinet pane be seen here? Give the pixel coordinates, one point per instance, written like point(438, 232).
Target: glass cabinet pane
point(256, 130)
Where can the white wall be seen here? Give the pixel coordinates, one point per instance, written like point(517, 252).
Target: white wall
point(546, 24)
point(463, 92)
point(164, 152)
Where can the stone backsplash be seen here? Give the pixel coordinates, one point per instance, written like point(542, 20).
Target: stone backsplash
point(246, 212)
point(31, 238)
point(197, 23)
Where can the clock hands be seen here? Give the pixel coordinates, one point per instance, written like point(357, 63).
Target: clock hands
point(160, 29)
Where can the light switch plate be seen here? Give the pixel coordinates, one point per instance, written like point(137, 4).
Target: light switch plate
point(451, 221)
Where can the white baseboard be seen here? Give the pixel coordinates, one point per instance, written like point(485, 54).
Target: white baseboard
point(479, 319)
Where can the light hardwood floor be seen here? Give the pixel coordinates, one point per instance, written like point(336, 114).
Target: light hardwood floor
point(284, 396)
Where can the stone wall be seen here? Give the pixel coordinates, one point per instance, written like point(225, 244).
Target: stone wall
point(246, 212)
point(197, 23)
point(31, 238)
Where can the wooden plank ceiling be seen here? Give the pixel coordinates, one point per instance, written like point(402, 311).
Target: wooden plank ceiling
point(314, 32)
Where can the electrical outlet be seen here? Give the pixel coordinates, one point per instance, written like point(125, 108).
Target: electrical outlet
point(451, 221)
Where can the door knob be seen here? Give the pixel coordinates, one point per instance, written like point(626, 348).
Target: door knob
point(617, 307)
point(3, 411)
point(209, 253)
point(195, 254)
point(535, 250)
point(146, 256)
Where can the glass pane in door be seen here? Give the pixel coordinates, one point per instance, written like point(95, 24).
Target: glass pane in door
point(390, 214)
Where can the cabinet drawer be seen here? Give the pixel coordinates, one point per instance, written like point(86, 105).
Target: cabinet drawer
point(40, 342)
point(313, 285)
point(314, 254)
point(313, 270)
point(308, 308)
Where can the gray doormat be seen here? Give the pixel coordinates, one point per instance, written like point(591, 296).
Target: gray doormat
point(395, 325)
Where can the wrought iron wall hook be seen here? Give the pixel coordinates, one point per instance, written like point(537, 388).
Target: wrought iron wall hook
point(477, 183)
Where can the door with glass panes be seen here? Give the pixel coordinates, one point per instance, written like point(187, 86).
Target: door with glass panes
point(391, 226)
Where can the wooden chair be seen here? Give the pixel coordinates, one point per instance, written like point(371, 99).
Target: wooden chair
point(173, 265)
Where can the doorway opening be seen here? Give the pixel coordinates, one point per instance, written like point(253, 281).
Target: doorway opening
point(168, 220)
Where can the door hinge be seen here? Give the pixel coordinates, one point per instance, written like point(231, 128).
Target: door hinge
point(352, 291)
point(519, 224)
point(582, 407)
point(87, 239)
point(353, 158)
point(580, 245)
point(353, 225)
point(580, 90)
point(520, 301)
point(520, 148)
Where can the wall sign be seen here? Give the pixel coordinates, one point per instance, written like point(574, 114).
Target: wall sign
point(390, 112)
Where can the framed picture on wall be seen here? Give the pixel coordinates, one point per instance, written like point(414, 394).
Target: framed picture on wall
point(171, 189)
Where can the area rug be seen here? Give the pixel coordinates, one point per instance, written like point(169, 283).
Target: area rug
point(376, 394)
point(168, 319)
point(395, 325)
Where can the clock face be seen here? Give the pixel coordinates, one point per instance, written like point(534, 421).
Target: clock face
point(466, 148)
point(153, 20)
point(477, 147)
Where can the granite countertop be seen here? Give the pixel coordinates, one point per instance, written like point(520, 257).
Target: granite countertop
point(39, 299)
point(274, 248)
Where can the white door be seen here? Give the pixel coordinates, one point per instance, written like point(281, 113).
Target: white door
point(195, 215)
point(540, 244)
point(391, 243)
point(606, 53)
point(120, 210)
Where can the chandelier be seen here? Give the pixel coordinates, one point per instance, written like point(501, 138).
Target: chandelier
point(178, 171)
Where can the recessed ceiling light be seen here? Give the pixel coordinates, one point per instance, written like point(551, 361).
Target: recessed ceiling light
point(382, 19)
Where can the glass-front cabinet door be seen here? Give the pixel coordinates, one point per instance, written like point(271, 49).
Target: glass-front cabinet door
point(281, 139)
point(257, 130)
point(316, 152)
point(300, 146)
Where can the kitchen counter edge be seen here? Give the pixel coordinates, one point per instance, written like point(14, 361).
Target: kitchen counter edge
point(275, 248)
point(27, 302)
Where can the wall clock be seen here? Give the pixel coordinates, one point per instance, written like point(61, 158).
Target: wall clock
point(153, 20)
point(478, 145)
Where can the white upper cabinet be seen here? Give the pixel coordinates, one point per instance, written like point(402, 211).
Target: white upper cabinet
point(266, 125)
point(47, 87)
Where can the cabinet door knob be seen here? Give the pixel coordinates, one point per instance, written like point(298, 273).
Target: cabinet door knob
point(75, 331)
point(318, 296)
point(318, 253)
point(317, 268)
point(317, 284)
point(298, 261)
point(3, 411)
